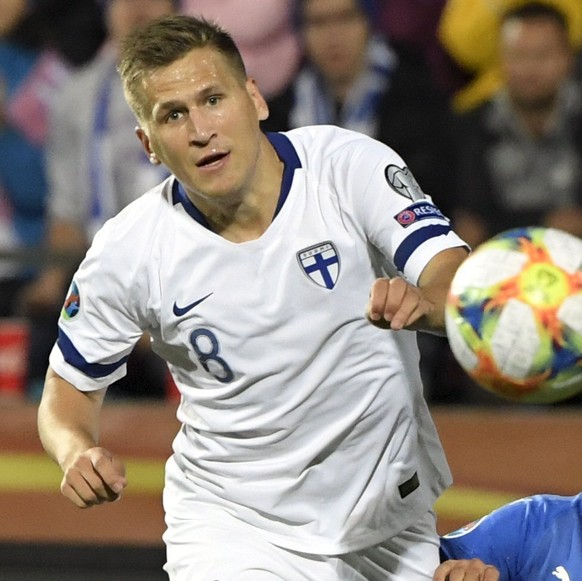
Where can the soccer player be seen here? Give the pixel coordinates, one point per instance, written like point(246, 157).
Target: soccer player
point(283, 278)
point(533, 539)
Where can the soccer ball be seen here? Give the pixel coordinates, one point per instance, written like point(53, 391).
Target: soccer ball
point(514, 315)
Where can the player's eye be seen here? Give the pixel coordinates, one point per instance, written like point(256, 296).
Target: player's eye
point(174, 116)
point(213, 100)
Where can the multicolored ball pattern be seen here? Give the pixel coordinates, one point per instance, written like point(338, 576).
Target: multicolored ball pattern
point(514, 315)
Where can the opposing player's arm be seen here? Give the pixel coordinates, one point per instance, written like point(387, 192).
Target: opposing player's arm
point(397, 304)
point(68, 425)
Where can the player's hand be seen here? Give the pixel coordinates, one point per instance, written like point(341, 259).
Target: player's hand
point(396, 304)
point(94, 477)
point(466, 570)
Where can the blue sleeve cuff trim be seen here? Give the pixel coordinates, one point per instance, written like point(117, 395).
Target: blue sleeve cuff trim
point(74, 358)
point(412, 242)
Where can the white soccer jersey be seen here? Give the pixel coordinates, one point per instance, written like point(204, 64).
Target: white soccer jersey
point(299, 416)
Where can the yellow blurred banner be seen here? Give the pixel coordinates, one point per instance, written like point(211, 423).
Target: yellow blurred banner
point(38, 473)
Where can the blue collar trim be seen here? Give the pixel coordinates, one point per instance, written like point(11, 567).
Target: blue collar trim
point(287, 155)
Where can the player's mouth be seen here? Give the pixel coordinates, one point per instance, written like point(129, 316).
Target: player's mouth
point(212, 160)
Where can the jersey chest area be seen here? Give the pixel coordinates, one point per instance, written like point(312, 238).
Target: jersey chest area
point(285, 293)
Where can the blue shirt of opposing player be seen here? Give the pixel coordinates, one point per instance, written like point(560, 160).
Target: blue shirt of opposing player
point(533, 539)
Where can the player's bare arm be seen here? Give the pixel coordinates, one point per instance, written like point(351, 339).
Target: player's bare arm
point(466, 570)
point(68, 423)
point(397, 304)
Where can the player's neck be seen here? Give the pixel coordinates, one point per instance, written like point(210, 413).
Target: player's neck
point(247, 217)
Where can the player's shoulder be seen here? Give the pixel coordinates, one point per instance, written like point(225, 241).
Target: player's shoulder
point(537, 511)
point(547, 507)
point(510, 512)
point(137, 225)
point(324, 133)
point(317, 145)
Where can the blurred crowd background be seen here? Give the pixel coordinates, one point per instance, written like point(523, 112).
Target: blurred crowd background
point(480, 97)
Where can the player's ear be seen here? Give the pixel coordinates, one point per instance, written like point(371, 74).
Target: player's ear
point(145, 141)
point(259, 101)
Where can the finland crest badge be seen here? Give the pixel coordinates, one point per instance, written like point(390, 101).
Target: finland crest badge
point(320, 263)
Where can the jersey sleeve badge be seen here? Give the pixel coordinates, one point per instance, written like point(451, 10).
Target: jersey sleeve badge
point(72, 304)
point(419, 211)
point(401, 180)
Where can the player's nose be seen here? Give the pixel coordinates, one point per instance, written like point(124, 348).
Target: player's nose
point(200, 130)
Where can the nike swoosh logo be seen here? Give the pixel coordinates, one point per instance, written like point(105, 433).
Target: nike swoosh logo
point(179, 311)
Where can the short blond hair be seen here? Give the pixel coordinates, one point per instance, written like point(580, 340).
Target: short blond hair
point(164, 41)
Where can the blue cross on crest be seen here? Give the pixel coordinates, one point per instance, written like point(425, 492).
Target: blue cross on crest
point(320, 263)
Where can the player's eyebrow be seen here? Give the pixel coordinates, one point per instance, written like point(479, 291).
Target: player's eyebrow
point(169, 106)
point(200, 95)
point(205, 92)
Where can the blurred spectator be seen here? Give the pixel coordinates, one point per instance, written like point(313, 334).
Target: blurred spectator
point(96, 166)
point(264, 33)
point(415, 23)
point(12, 13)
point(72, 28)
point(519, 153)
point(353, 78)
point(469, 29)
point(36, 55)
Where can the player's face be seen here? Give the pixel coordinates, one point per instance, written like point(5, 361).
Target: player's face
point(336, 33)
point(203, 124)
point(536, 60)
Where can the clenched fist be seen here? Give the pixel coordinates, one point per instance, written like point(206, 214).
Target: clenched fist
point(94, 477)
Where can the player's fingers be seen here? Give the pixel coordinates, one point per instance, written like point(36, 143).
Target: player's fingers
point(491, 574)
point(68, 491)
point(396, 304)
point(110, 471)
point(387, 297)
point(77, 487)
point(477, 570)
point(405, 319)
point(466, 570)
point(395, 299)
point(82, 485)
point(93, 478)
point(443, 570)
point(405, 304)
point(377, 300)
